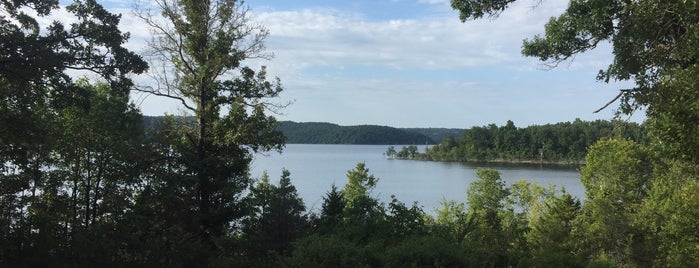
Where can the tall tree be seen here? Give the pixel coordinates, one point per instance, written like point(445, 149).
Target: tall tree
point(198, 52)
point(486, 199)
point(36, 88)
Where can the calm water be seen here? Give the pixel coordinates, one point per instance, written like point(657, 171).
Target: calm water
point(314, 168)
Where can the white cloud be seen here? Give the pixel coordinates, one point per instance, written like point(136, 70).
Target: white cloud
point(329, 37)
point(433, 2)
point(317, 50)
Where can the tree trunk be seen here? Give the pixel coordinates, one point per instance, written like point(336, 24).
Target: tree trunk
point(202, 172)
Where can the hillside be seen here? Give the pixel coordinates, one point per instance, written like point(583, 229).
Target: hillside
point(437, 134)
point(327, 133)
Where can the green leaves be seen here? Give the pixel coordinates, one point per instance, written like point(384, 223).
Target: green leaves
point(476, 9)
point(488, 193)
point(616, 170)
point(200, 48)
point(356, 193)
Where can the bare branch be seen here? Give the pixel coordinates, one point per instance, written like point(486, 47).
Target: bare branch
point(158, 93)
point(621, 92)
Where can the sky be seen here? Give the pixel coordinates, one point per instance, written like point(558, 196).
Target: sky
point(412, 63)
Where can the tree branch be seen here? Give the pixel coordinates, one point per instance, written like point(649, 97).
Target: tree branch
point(158, 93)
point(621, 92)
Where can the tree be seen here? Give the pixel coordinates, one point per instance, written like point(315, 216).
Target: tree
point(37, 92)
point(197, 55)
point(87, 191)
point(488, 192)
point(331, 213)
point(356, 193)
point(550, 238)
point(616, 177)
point(407, 152)
point(654, 46)
point(278, 219)
point(486, 199)
point(391, 152)
point(34, 62)
point(528, 198)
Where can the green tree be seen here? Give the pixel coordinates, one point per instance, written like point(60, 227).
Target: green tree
point(486, 201)
point(407, 152)
point(528, 197)
point(453, 221)
point(356, 193)
point(278, 217)
point(616, 177)
point(488, 192)
point(654, 47)
point(87, 191)
point(391, 152)
point(331, 214)
point(654, 44)
point(35, 90)
point(197, 56)
point(550, 239)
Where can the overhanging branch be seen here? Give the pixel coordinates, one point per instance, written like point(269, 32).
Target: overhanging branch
point(621, 92)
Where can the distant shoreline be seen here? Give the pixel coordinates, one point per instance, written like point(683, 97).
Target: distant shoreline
point(565, 163)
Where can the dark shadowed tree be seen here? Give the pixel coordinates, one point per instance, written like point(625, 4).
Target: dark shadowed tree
point(278, 217)
point(197, 53)
point(36, 91)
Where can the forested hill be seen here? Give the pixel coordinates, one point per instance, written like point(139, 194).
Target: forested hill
point(327, 133)
point(437, 134)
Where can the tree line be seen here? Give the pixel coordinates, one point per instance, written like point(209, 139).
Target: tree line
point(565, 142)
point(327, 133)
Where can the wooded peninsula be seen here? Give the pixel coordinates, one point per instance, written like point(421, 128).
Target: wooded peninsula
point(560, 143)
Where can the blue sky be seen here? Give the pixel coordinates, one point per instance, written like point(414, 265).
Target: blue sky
point(412, 63)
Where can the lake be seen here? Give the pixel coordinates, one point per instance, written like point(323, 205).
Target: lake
point(315, 167)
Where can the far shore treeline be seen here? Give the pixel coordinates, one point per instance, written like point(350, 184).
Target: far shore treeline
point(329, 133)
point(560, 143)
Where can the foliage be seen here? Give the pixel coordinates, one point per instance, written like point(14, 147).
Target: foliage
point(550, 239)
point(62, 171)
point(391, 152)
point(196, 54)
point(615, 177)
point(80, 189)
point(82, 185)
point(436, 134)
point(326, 133)
point(637, 193)
point(277, 219)
point(407, 152)
point(557, 143)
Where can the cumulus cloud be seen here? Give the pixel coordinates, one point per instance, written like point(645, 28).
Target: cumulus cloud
point(327, 37)
point(345, 67)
